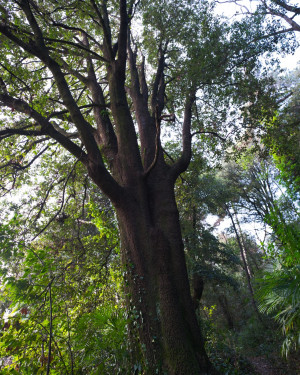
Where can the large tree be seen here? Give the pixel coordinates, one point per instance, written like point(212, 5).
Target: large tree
point(80, 75)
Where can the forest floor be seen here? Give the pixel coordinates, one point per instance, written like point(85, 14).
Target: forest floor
point(265, 366)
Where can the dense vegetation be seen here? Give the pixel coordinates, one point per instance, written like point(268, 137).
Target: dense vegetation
point(126, 127)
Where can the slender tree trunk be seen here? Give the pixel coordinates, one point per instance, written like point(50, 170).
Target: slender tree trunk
point(244, 247)
point(224, 305)
point(158, 290)
point(245, 264)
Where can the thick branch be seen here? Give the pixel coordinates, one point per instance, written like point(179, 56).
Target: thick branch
point(290, 8)
point(97, 171)
point(46, 127)
point(29, 47)
point(5, 133)
point(42, 53)
point(122, 38)
point(104, 22)
point(295, 26)
point(184, 161)
point(143, 82)
point(67, 97)
point(126, 132)
point(105, 132)
point(158, 89)
point(146, 123)
point(34, 25)
point(157, 144)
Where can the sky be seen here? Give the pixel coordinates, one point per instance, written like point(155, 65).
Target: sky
point(291, 61)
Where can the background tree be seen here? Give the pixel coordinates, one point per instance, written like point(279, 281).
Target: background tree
point(261, 196)
point(281, 135)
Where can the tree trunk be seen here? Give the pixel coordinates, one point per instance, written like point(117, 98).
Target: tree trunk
point(245, 266)
point(158, 291)
point(226, 311)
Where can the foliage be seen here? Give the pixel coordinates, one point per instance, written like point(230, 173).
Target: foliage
point(208, 257)
point(278, 290)
point(282, 134)
point(279, 296)
point(225, 354)
point(56, 293)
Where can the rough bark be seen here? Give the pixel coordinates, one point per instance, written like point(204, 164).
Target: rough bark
point(157, 282)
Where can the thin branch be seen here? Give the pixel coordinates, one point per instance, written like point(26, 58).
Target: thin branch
point(78, 29)
point(59, 114)
point(42, 204)
point(104, 22)
point(57, 347)
point(61, 206)
point(50, 331)
point(13, 75)
point(243, 256)
point(92, 54)
point(169, 156)
point(209, 132)
point(279, 101)
point(22, 167)
point(69, 343)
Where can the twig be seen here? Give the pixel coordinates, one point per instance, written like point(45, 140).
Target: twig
point(209, 132)
point(61, 206)
point(50, 332)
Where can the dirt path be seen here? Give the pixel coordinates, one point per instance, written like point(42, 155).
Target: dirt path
point(264, 366)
